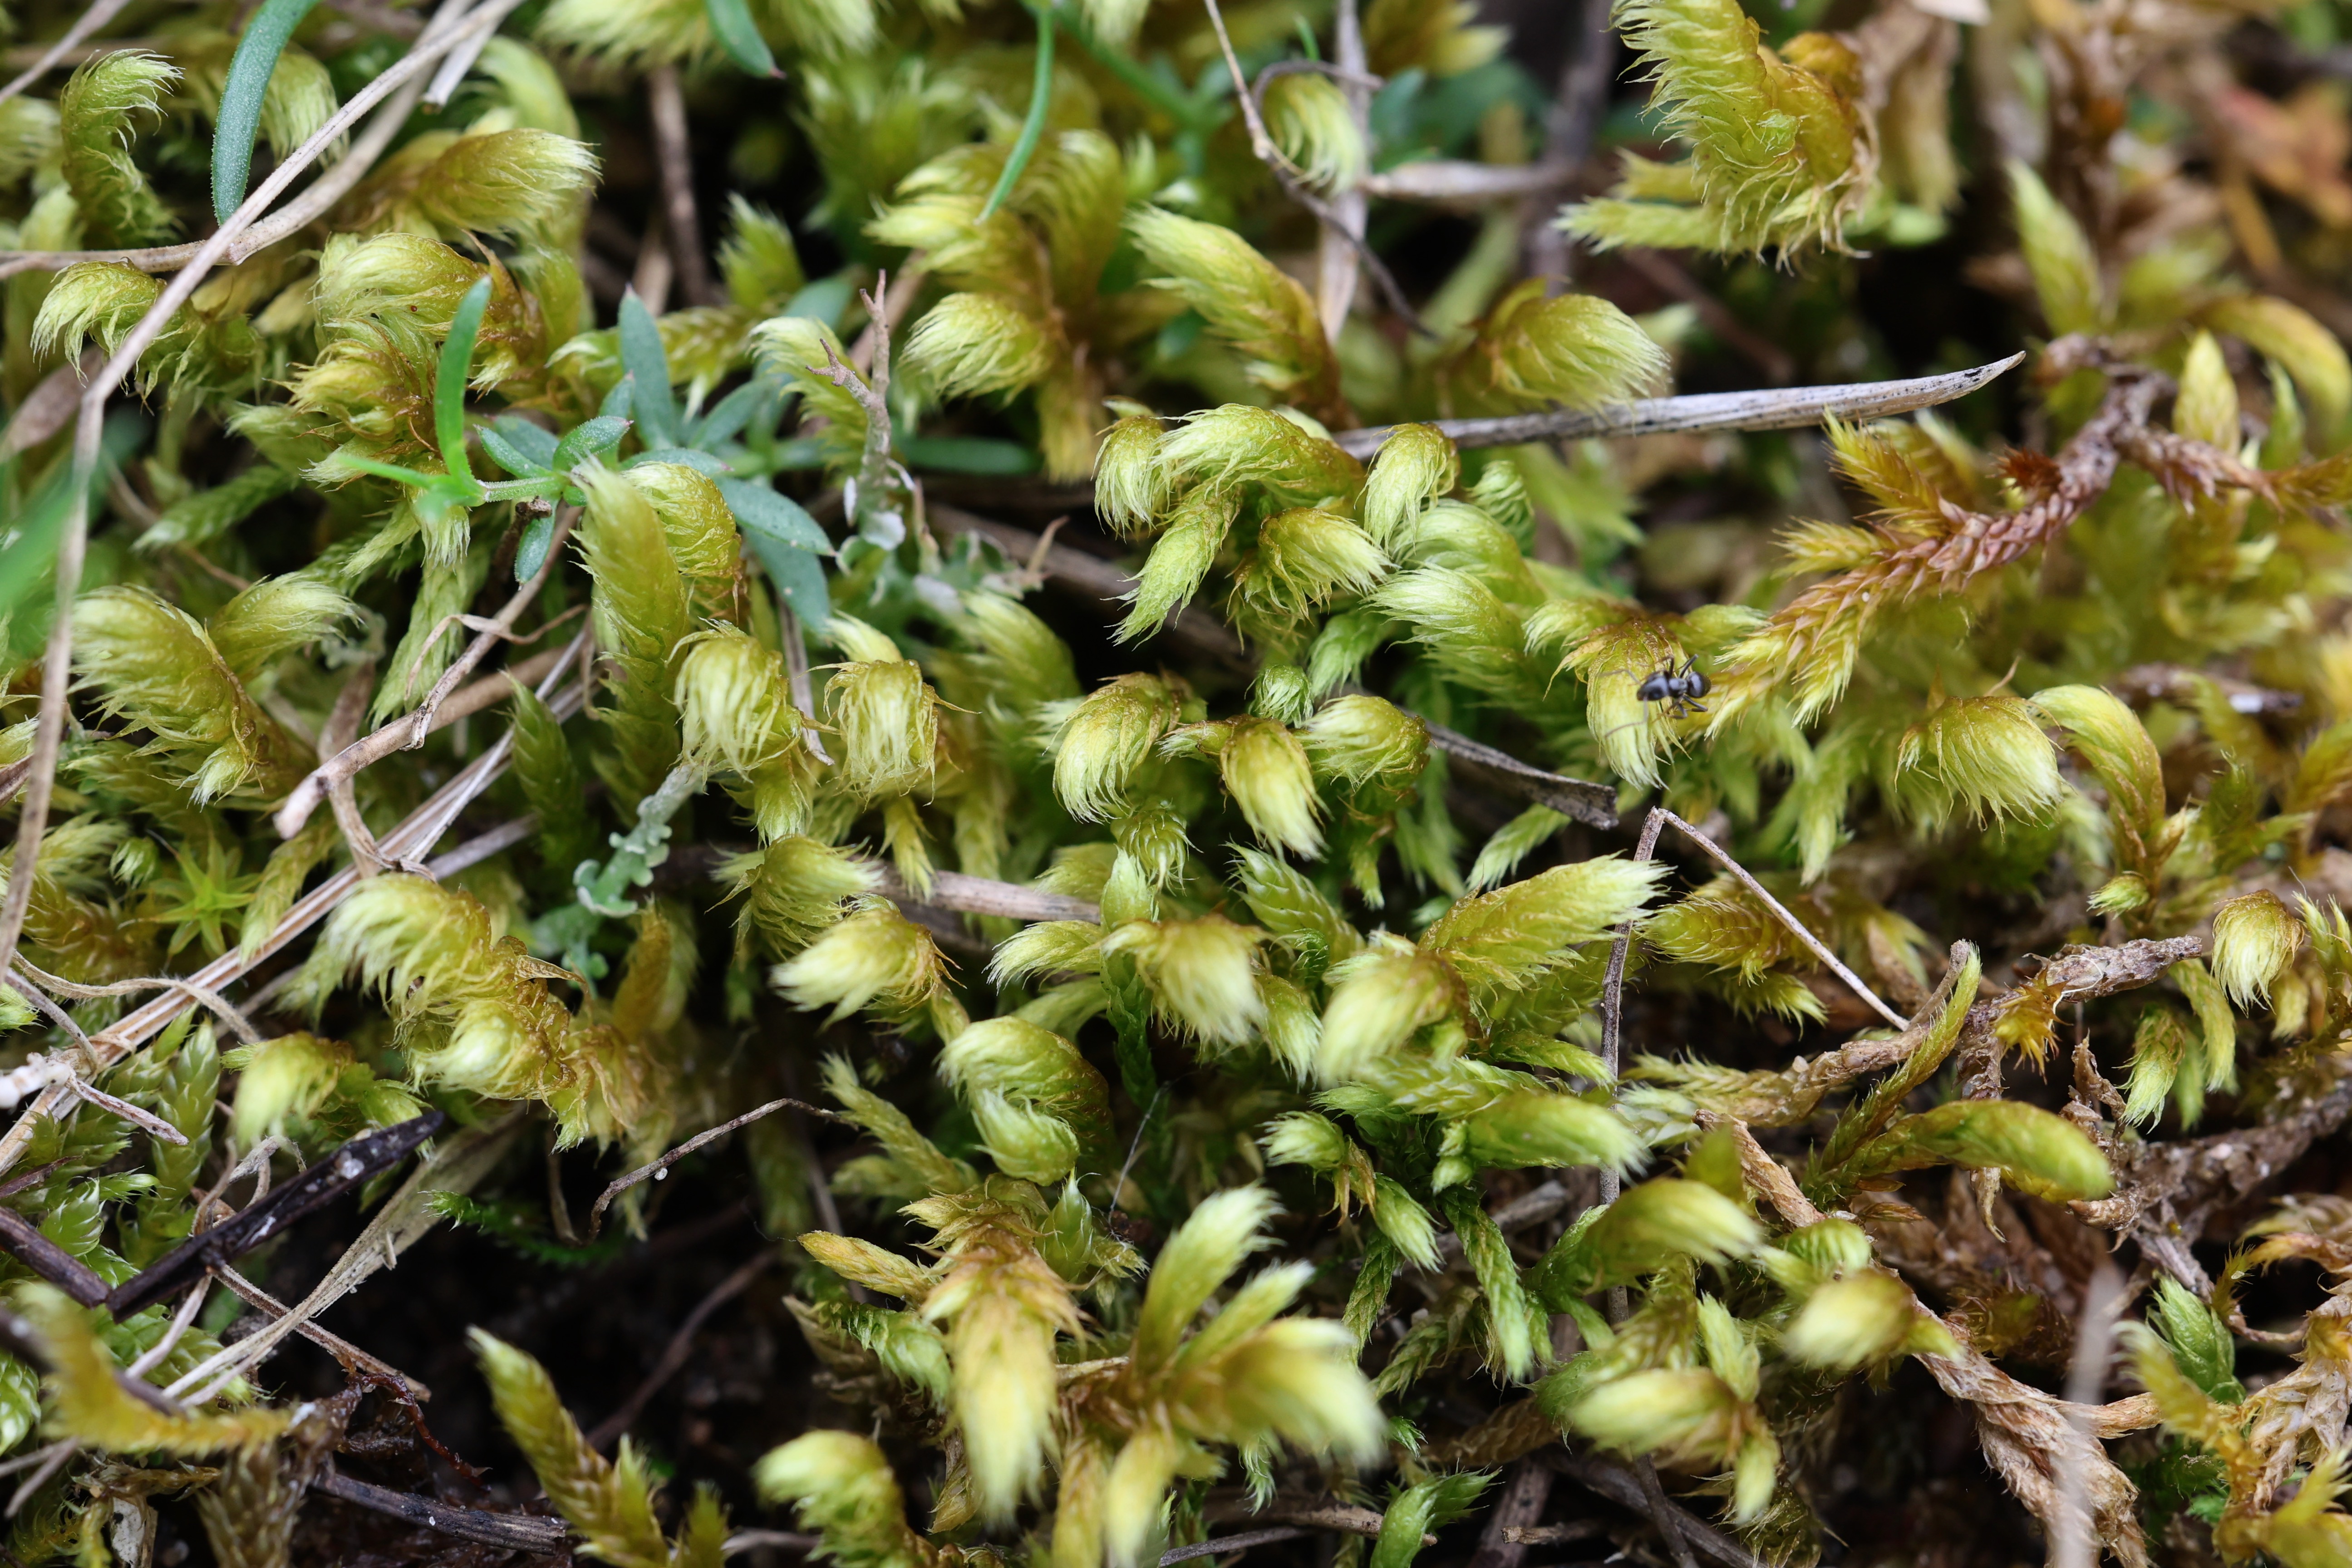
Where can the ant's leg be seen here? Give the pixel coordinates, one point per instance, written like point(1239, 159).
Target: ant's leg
point(1696, 706)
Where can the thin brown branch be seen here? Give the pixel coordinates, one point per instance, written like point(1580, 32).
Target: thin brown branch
point(666, 104)
point(1503, 1543)
point(181, 1321)
point(1339, 250)
point(456, 1165)
point(1223, 1545)
point(1620, 1486)
point(1612, 985)
point(879, 327)
point(53, 1263)
point(1592, 804)
point(1103, 580)
point(68, 1074)
point(481, 847)
point(1294, 1508)
point(774, 1539)
point(1577, 107)
point(342, 728)
point(46, 408)
point(514, 1531)
point(1555, 1534)
point(343, 1350)
point(1293, 183)
point(1768, 1178)
point(681, 1345)
point(982, 895)
point(220, 1006)
point(796, 677)
point(2145, 683)
point(450, 74)
point(1663, 1513)
point(1797, 928)
point(655, 1171)
point(1529, 1208)
point(418, 833)
point(2074, 1544)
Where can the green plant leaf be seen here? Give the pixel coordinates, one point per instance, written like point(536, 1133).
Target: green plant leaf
point(732, 413)
point(535, 442)
point(449, 381)
point(822, 300)
point(647, 364)
point(531, 550)
point(798, 576)
point(732, 24)
point(507, 455)
point(393, 471)
point(967, 455)
point(585, 439)
point(239, 120)
point(1033, 125)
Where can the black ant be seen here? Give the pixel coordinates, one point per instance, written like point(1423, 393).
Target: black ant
point(1679, 689)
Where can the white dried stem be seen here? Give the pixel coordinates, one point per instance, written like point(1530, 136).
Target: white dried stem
point(1778, 408)
point(88, 22)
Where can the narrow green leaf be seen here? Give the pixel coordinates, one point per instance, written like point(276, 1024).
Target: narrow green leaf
point(732, 24)
point(449, 380)
point(967, 455)
point(35, 545)
point(798, 576)
point(535, 442)
point(585, 439)
point(648, 366)
point(239, 120)
point(732, 413)
point(1033, 128)
point(386, 470)
point(531, 551)
point(621, 402)
point(509, 457)
point(761, 511)
point(28, 541)
point(822, 300)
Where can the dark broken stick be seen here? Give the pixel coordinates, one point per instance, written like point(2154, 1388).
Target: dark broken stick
point(315, 1188)
point(515, 1531)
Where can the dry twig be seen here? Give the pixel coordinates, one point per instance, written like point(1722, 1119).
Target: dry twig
point(656, 1170)
point(99, 14)
point(56, 668)
point(666, 104)
point(409, 731)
